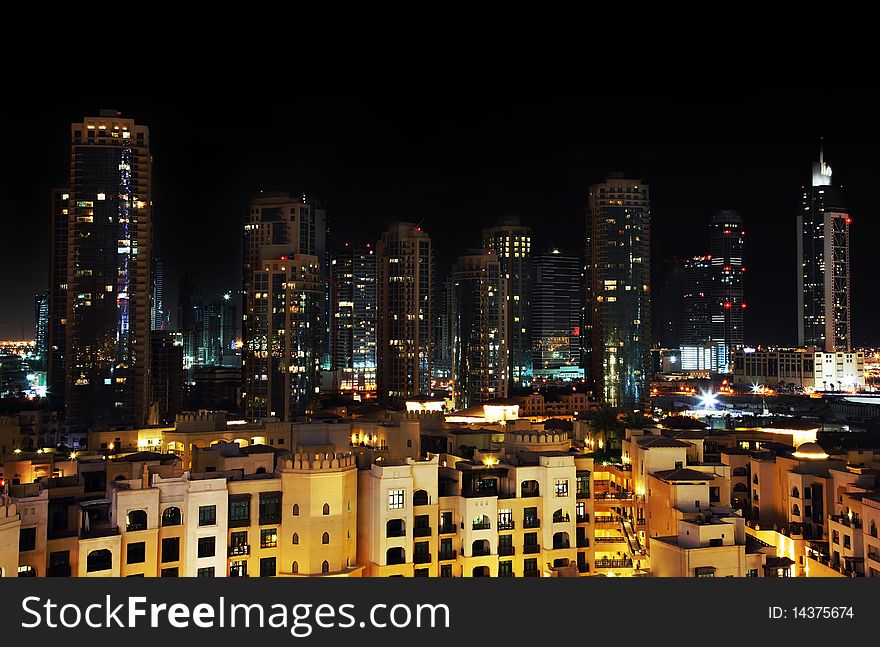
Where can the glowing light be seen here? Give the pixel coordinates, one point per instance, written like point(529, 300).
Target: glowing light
point(708, 399)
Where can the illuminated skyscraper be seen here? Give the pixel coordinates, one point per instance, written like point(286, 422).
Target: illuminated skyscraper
point(727, 305)
point(556, 310)
point(41, 328)
point(283, 308)
point(404, 289)
point(479, 329)
point(101, 231)
point(56, 334)
point(512, 244)
point(219, 332)
point(823, 265)
point(157, 303)
point(617, 295)
point(353, 325)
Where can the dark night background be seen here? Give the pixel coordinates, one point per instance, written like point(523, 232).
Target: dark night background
point(456, 162)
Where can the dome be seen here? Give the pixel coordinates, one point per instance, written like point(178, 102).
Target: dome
point(810, 450)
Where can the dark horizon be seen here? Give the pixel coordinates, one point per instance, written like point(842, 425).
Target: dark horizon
point(457, 167)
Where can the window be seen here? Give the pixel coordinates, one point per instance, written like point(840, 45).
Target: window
point(171, 549)
point(446, 570)
point(270, 508)
point(136, 520)
point(205, 572)
point(169, 572)
point(530, 565)
point(752, 572)
point(295, 568)
point(267, 567)
point(704, 571)
point(325, 566)
point(207, 515)
point(326, 510)
point(420, 497)
point(136, 553)
point(325, 538)
point(561, 487)
point(395, 499)
point(505, 519)
point(239, 510)
point(295, 509)
point(505, 568)
point(207, 546)
point(268, 537)
point(27, 539)
point(99, 560)
point(171, 516)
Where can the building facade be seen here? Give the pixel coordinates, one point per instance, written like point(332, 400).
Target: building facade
point(556, 310)
point(804, 368)
point(353, 318)
point(726, 301)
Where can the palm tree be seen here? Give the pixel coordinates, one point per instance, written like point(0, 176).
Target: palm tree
point(605, 422)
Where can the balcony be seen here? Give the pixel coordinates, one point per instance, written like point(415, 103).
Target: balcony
point(606, 520)
point(506, 525)
point(395, 532)
point(583, 495)
point(446, 555)
point(531, 573)
point(561, 544)
point(506, 551)
point(609, 540)
point(561, 518)
point(582, 518)
point(482, 525)
point(531, 522)
point(424, 558)
point(617, 496)
point(422, 532)
point(507, 574)
point(448, 529)
point(531, 549)
point(583, 542)
point(241, 549)
point(96, 533)
point(844, 520)
point(613, 563)
point(60, 570)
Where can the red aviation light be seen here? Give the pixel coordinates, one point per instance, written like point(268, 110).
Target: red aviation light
point(848, 220)
point(727, 304)
point(744, 306)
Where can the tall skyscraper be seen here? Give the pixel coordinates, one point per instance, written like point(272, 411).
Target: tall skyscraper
point(617, 296)
point(219, 332)
point(166, 377)
point(512, 244)
point(479, 329)
point(190, 322)
point(41, 328)
point(56, 378)
point(695, 305)
point(283, 308)
point(556, 310)
point(157, 301)
point(353, 318)
point(404, 288)
point(823, 265)
point(727, 304)
point(441, 368)
point(101, 254)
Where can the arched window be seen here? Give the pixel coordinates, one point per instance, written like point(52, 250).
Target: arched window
point(295, 567)
point(171, 516)
point(795, 510)
point(795, 493)
point(409, 443)
point(326, 509)
point(136, 520)
point(99, 560)
point(873, 529)
point(27, 571)
point(325, 566)
point(295, 538)
point(260, 470)
point(295, 509)
point(420, 497)
point(325, 538)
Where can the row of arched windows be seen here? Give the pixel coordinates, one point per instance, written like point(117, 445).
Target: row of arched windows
point(325, 511)
point(325, 538)
point(325, 567)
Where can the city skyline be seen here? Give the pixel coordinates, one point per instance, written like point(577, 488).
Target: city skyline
point(216, 260)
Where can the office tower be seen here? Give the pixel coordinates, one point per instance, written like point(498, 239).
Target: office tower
point(726, 292)
point(166, 377)
point(157, 302)
point(100, 251)
point(190, 322)
point(56, 334)
point(283, 308)
point(823, 265)
point(556, 310)
point(41, 328)
point(404, 287)
point(695, 305)
point(219, 332)
point(353, 321)
point(512, 244)
point(479, 329)
point(617, 300)
point(441, 368)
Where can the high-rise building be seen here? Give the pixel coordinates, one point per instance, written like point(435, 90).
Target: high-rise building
point(556, 310)
point(667, 318)
point(41, 328)
point(166, 377)
point(190, 322)
point(404, 288)
point(479, 329)
point(695, 300)
point(219, 332)
point(56, 378)
point(617, 295)
point(283, 308)
point(512, 244)
point(441, 368)
point(101, 232)
point(823, 265)
point(353, 319)
point(157, 302)
point(727, 303)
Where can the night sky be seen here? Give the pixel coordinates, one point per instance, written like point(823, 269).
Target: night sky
point(456, 162)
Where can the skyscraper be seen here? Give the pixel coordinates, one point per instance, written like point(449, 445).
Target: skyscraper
point(283, 308)
point(727, 304)
point(512, 244)
point(404, 288)
point(157, 301)
point(41, 328)
point(696, 307)
point(219, 332)
point(190, 322)
point(56, 378)
point(556, 310)
point(823, 265)
point(617, 294)
point(353, 318)
point(479, 329)
point(101, 232)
